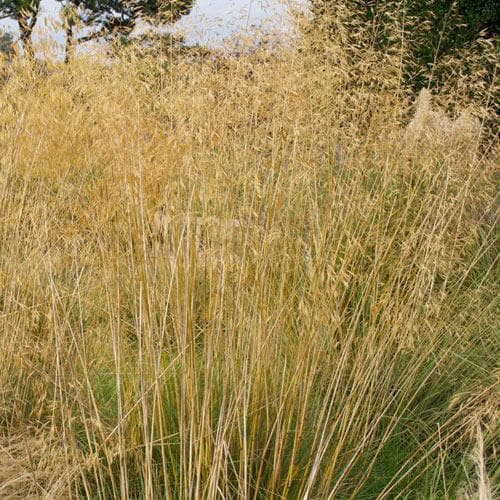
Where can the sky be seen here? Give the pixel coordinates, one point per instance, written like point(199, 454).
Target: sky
point(210, 22)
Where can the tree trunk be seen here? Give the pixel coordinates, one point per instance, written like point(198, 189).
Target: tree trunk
point(26, 26)
point(70, 43)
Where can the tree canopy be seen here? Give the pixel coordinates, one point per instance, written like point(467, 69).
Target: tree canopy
point(432, 29)
point(106, 18)
point(25, 13)
point(98, 18)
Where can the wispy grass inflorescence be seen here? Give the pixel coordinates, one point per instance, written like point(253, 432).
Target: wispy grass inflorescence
point(244, 277)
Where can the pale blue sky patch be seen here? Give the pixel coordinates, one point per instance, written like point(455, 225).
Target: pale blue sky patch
point(210, 22)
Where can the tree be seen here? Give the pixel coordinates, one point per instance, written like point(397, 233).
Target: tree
point(111, 18)
point(450, 46)
point(432, 29)
point(25, 12)
point(6, 43)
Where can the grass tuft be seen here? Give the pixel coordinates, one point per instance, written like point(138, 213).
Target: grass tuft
point(248, 277)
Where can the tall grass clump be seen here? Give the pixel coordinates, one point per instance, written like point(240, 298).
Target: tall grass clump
point(270, 276)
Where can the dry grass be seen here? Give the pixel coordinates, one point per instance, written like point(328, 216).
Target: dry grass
point(243, 280)
point(31, 465)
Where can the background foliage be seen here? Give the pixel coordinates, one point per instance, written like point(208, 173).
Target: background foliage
point(448, 45)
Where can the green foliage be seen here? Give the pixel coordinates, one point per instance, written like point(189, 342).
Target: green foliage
point(450, 45)
point(18, 8)
point(5, 43)
point(107, 18)
point(431, 29)
point(101, 18)
point(25, 12)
